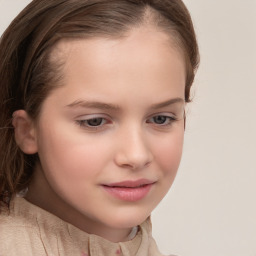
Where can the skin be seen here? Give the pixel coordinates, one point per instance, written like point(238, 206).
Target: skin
point(136, 74)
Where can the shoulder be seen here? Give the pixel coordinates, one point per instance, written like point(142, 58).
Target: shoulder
point(16, 235)
point(17, 232)
point(16, 219)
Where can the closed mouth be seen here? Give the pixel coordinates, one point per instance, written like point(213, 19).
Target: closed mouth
point(129, 190)
point(131, 184)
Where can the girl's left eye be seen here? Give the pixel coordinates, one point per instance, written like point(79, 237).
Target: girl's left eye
point(161, 120)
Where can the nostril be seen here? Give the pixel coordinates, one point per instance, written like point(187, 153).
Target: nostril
point(148, 163)
point(133, 165)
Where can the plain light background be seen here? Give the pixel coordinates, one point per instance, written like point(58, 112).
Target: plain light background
point(211, 208)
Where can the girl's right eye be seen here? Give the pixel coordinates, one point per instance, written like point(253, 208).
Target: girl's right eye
point(93, 123)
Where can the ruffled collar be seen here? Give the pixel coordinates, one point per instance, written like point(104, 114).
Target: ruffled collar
point(62, 238)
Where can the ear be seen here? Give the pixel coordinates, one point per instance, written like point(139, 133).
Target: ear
point(25, 134)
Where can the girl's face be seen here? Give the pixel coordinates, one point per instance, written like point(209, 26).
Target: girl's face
point(110, 139)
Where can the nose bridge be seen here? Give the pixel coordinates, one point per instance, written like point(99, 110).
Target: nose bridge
point(134, 149)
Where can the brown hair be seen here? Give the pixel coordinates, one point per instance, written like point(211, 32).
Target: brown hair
point(27, 75)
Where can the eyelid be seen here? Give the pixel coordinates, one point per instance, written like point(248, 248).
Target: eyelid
point(91, 116)
point(166, 114)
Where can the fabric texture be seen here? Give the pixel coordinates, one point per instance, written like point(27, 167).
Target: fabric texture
point(29, 230)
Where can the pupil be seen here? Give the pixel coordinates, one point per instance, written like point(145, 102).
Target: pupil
point(159, 119)
point(95, 121)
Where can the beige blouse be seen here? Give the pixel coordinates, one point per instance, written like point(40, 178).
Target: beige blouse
point(29, 230)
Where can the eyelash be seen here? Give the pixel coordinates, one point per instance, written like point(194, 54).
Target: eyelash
point(168, 120)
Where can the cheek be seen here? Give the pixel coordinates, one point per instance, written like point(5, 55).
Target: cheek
point(71, 166)
point(71, 156)
point(168, 154)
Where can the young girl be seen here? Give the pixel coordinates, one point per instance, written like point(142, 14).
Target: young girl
point(92, 122)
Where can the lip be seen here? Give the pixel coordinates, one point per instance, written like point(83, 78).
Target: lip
point(129, 190)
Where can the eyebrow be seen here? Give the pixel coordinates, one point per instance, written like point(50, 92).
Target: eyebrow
point(168, 103)
point(109, 106)
point(93, 104)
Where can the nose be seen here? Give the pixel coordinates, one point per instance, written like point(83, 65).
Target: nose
point(133, 151)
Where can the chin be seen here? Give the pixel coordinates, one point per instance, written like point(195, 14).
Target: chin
point(129, 218)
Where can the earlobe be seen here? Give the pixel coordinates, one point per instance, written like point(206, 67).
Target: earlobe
point(25, 134)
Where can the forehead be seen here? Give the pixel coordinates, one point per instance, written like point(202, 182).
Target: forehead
point(142, 56)
point(145, 36)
